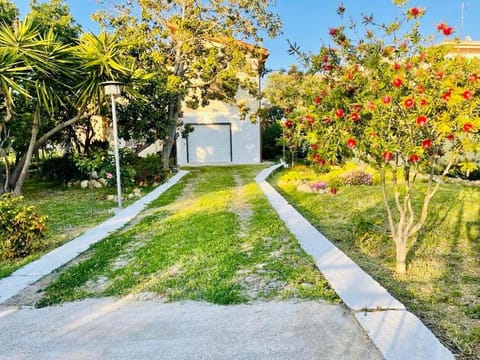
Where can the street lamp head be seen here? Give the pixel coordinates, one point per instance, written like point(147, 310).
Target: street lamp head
point(111, 87)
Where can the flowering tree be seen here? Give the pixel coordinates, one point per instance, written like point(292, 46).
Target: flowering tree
point(397, 102)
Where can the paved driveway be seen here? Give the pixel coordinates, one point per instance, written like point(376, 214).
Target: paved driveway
point(130, 329)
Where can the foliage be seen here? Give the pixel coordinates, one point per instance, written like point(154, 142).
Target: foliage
point(271, 130)
point(195, 46)
point(21, 227)
point(60, 170)
point(356, 177)
point(149, 170)
point(50, 77)
point(200, 246)
point(393, 100)
point(443, 282)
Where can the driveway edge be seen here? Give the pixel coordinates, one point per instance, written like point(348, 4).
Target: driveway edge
point(34, 271)
point(396, 332)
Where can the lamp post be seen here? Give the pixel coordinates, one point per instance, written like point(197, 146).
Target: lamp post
point(112, 88)
point(283, 120)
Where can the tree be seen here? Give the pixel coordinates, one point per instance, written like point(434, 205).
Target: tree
point(397, 102)
point(57, 79)
point(196, 43)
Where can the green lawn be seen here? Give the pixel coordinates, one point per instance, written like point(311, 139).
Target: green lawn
point(70, 212)
point(212, 237)
point(443, 282)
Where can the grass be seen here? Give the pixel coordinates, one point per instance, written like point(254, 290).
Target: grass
point(212, 237)
point(69, 212)
point(442, 286)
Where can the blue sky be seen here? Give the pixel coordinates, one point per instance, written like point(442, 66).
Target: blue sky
point(306, 22)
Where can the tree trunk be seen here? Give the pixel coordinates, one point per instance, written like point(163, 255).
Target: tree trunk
point(28, 156)
point(401, 256)
point(173, 111)
point(15, 174)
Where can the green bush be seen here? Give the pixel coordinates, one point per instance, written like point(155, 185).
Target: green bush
point(60, 169)
point(21, 227)
point(149, 170)
point(356, 177)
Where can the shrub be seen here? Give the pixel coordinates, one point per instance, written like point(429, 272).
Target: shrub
point(60, 169)
point(356, 177)
point(21, 227)
point(148, 170)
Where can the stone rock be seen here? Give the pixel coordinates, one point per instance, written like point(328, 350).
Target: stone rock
point(111, 198)
point(96, 184)
point(103, 181)
point(84, 184)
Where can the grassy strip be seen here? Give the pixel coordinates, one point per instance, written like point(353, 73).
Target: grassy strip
point(70, 213)
point(214, 238)
point(443, 282)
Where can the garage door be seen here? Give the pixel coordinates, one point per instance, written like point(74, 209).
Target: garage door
point(210, 143)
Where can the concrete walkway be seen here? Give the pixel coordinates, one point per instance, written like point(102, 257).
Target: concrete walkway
point(34, 271)
point(109, 329)
point(396, 332)
point(124, 329)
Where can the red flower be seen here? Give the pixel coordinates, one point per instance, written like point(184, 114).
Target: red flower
point(441, 26)
point(421, 120)
point(288, 124)
point(414, 11)
point(439, 75)
point(355, 117)
point(327, 67)
point(450, 137)
point(371, 105)
point(350, 76)
point(447, 95)
point(339, 113)
point(332, 31)
point(288, 111)
point(397, 82)
point(387, 99)
point(314, 147)
point(472, 78)
point(351, 143)
point(467, 127)
point(420, 89)
point(467, 94)
point(317, 100)
point(448, 31)
point(397, 66)
point(423, 102)
point(387, 156)
point(309, 118)
point(445, 29)
point(327, 120)
point(426, 143)
point(409, 103)
point(413, 158)
point(333, 191)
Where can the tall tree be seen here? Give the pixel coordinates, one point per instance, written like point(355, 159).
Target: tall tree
point(399, 103)
point(199, 44)
point(56, 76)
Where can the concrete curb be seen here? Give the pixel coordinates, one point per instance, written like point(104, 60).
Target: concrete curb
point(34, 271)
point(397, 333)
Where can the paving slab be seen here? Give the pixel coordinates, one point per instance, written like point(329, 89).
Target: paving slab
point(32, 272)
point(356, 288)
point(119, 329)
point(401, 335)
point(397, 333)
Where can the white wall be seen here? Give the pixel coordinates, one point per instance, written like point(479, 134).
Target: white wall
point(245, 135)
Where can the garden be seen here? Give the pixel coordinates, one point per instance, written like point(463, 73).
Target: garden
point(379, 132)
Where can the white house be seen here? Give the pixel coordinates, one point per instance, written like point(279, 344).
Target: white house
point(219, 134)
